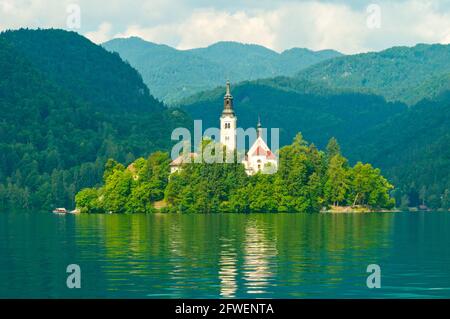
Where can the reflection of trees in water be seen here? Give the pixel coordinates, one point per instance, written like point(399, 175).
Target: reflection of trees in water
point(129, 248)
point(315, 249)
point(220, 255)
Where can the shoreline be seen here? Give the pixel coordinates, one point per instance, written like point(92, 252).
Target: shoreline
point(358, 209)
point(335, 210)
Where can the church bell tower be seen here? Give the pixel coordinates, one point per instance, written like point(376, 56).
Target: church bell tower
point(228, 122)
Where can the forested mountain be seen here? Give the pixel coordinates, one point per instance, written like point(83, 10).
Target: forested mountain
point(84, 69)
point(400, 73)
point(413, 149)
point(174, 74)
point(432, 88)
point(67, 105)
point(292, 105)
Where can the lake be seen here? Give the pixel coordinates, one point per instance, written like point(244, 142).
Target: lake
point(225, 256)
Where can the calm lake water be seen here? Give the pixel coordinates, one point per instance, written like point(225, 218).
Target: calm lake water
point(225, 256)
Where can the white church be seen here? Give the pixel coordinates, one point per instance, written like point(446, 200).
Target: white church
point(259, 157)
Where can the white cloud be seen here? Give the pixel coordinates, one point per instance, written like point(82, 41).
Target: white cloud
point(6, 6)
point(283, 24)
point(319, 26)
point(446, 39)
point(409, 23)
point(102, 34)
point(32, 13)
point(313, 25)
point(206, 26)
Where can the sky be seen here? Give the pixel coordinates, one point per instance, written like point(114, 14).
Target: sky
point(347, 26)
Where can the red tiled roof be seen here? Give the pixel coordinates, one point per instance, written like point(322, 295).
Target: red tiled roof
point(270, 155)
point(260, 151)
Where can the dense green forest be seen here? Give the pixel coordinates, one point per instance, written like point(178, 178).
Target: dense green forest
point(174, 74)
point(67, 106)
point(397, 73)
point(291, 105)
point(413, 150)
point(307, 181)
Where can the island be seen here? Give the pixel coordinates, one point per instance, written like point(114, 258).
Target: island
point(302, 179)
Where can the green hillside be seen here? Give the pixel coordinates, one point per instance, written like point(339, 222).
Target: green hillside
point(84, 69)
point(413, 150)
point(431, 88)
point(175, 74)
point(67, 105)
point(317, 111)
point(398, 73)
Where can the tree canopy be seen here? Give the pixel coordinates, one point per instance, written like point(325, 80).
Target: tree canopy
point(67, 106)
point(307, 180)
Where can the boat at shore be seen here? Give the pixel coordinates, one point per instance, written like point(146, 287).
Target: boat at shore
point(60, 211)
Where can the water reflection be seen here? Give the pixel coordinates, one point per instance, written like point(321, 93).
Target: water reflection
point(235, 255)
point(228, 269)
point(258, 252)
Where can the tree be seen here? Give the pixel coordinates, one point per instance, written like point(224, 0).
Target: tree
point(369, 187)
point(423, 194)
point(404, 203)
point(446, 200)
point(333, 148)
point(117, 189)
point(110, 167)
point(337, 184)
point(87, 200)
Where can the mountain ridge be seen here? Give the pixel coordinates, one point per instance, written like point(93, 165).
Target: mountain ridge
point(173, 74)
point(396, 73)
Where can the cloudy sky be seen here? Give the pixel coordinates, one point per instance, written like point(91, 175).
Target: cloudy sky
point(348, 26)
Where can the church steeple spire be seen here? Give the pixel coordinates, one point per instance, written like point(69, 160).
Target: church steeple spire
point(228, 89)
point(259, 127)
point(228, 101)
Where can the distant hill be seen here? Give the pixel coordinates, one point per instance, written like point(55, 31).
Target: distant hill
point(398, 73)
point(292, 105)
point(432, 88)
point(67, 105)
point(175, 74)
